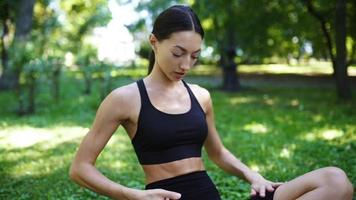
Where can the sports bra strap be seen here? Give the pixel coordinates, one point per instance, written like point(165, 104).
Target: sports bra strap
point(143, 92)
point(194, 100)
point(189, 90)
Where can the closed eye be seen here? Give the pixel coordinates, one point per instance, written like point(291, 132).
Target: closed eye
point(176, 55)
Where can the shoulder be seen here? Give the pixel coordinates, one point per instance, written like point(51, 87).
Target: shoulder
point(124, 93)
point(123, 100)
point(201, 94)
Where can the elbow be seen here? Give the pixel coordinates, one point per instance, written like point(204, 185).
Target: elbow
point(73, 172)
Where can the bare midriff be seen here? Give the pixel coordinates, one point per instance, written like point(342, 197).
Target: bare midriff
point(157, 172)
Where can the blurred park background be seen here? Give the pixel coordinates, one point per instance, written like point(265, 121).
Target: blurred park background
point(281, 75)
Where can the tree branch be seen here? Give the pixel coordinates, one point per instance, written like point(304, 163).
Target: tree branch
point(322, 21)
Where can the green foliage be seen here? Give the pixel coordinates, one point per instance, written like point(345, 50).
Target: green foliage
point(277, 29)
point(145, 50)
point(157, 6)
point(35, 72)
point(81, 17)
point(21, 53)
point(43, 68)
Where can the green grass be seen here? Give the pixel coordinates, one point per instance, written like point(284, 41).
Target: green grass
point(279, 131)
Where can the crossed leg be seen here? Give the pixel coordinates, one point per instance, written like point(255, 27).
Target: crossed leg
point(329, 183)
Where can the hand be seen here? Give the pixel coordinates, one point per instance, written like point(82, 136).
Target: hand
point(259, 185)
point(153, 194)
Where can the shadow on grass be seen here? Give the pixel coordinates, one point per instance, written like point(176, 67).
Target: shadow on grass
point(41, 172)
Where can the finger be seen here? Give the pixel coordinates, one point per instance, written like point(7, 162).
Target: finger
point(170, 194)
point(253, 192)
point(262, 191)
point(275, 185)
point(269, 188)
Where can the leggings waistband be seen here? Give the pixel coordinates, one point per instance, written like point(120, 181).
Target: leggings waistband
point(192, 186)
point(179, 178)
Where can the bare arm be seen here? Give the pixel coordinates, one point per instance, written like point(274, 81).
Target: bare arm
point(226, 160)
point(111, 113)
point(83, 169)
point(217, 151)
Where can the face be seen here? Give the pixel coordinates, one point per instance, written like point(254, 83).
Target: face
point(175, 56)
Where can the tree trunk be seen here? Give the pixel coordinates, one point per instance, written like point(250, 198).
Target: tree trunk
point(5, 32)
point(24, 19)
point(6, 77)
point(56, 82)
point(230, 82)
point(230, 78)
point(88, 84)
point(9, 78)
point(56, 69)
point(340, 72)
point(31, 93)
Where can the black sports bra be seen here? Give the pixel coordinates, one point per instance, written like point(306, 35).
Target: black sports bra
point(162, 137)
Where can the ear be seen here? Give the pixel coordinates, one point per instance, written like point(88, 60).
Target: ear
point(153, 41)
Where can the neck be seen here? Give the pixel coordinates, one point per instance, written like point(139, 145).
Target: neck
point(158, 79)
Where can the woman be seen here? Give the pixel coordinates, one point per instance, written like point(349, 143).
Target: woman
point(169, 121)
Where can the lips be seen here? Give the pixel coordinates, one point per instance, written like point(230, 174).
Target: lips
point(179, 74)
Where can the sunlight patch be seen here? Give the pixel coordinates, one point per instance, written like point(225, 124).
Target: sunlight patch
point(317, 118)
point(269, 102)
point(285, 153)
point(256, 128)
point(21, 137)
point(294, 102)
point(331, 134)
point(238, 100)
point(310, 136)
point(255, 167)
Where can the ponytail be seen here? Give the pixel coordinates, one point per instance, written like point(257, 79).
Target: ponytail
point(151, 61)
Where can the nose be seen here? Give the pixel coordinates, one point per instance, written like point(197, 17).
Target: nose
point(186, 64)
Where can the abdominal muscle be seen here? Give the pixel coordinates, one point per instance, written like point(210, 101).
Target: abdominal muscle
point(157, 172)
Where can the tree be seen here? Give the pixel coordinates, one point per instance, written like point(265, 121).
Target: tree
point(339, 56)
point(6, 18)
point(23, 22)
point(35, 40)
point(236, 33)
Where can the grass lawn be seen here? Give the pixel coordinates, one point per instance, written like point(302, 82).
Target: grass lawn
point(280, 131)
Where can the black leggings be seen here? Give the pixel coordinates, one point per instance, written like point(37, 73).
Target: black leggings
point(269, 196)
point(192, 186)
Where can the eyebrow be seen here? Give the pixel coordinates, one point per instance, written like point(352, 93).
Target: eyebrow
point(183, 49)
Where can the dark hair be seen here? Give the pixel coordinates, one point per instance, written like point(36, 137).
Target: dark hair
point(174, 19)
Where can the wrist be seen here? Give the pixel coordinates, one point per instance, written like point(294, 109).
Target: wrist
point(250, 175)
point(121, 192)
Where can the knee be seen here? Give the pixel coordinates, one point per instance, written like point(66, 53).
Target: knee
point(337, 178)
